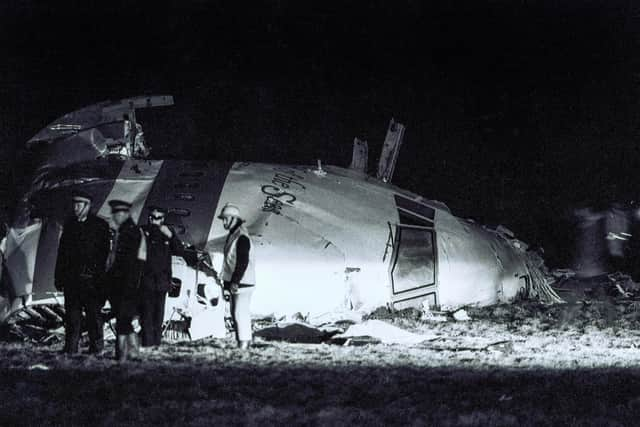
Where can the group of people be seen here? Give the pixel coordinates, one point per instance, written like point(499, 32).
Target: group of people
point(130, 266)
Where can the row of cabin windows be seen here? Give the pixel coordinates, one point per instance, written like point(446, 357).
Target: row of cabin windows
point(185, 196)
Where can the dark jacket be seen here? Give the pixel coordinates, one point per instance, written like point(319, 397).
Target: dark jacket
point(124, 272)
point(157, 274)
point(82, 253)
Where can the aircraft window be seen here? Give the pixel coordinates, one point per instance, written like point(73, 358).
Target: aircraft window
point(201, 294)
point(193, 174)
point(185, 185)
point(184, 196)
point(180, 211)
point(176, 284)
point(415, 207)
point(410, 219)
point(414, 265)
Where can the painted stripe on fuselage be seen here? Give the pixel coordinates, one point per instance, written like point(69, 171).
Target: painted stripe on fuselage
point(190, 191)
point(132, 185)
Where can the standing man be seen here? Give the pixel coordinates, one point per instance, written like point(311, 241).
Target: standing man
point(80, 268)
point(156, 277)
point(123, 270)
point(238, 272)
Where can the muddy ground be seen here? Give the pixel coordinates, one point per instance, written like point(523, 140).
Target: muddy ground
point(523, 364)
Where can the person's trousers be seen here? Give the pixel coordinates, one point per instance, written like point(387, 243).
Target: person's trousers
point(240, 305)
point(125, 309)
point(152, 316)
point(75, 301)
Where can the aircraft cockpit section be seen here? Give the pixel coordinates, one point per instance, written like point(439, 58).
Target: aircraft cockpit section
point(106, 129)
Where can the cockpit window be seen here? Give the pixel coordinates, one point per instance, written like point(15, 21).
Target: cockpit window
point(414, 262)
point(418, 209)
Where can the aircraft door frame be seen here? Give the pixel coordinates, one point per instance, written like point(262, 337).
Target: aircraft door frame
point(405, 249)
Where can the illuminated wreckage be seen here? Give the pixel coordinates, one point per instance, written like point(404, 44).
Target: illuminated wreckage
point(326, 240)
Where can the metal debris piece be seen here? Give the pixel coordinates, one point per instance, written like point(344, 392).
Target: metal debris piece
point(360, 158)
point(390, 150)
point(461, 315)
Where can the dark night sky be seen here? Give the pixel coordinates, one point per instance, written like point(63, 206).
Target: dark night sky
point(515, 110)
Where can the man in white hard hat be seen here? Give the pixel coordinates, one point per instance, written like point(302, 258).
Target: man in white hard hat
point(238, 272)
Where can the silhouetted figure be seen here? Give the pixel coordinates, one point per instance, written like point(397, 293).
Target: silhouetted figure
point(156, 277)
point(80, 269)
point(124, 270)
point(633, 249)
point(591, 253)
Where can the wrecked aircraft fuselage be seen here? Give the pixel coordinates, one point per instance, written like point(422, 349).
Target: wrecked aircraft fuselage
point(326, 239)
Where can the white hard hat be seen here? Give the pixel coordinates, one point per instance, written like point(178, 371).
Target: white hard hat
point(229, 210)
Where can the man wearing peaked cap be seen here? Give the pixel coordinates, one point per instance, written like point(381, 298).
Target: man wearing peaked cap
point(123, 270)
point(81, 196)
point(80, 270)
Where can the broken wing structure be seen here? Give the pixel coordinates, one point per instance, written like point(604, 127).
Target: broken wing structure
point(325, 239)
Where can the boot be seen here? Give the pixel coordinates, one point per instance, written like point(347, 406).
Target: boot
point(121, 348)
point(96, 348)
point(132, 344)
point(71, 343)
point(244, 345)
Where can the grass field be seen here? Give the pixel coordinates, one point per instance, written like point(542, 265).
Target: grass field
point(521, 365)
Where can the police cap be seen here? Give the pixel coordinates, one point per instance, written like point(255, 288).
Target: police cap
point(119, 205)
point(81, 196)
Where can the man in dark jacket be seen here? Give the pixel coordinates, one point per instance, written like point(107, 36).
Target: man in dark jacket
point(80, 268)
point(123, 271)
point(156, 277)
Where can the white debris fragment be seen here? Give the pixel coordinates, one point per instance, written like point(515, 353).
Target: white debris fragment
point(430, 316)
point(38, 367)
point(461, 315)
point(385, 332)
point(337, 316)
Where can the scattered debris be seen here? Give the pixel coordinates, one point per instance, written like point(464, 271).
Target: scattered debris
point(461, 315)
point(385, 313)
point(295, 333)
point(539, 285)
point(563, 273)
point(430, 316)
point(38, 367)
point(505, 346)
point(357, 341)
point(384, 332)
